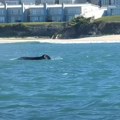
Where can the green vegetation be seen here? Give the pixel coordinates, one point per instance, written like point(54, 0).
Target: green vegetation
point(109, 19)
point(78, 27)
point(40, 29)
point(82, 27)
point(81, 24)
point(80, 21)
point(35, 24)
point(55, 24)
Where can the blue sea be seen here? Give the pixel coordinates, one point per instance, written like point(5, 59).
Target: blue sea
point(81, 82)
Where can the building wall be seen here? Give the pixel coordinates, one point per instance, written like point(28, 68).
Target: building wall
point(2, 15)
point(48, 1)
point(113, 11)
point(37, 2)
point(15, 14)
point(12, 2)
point(28, 2)
point(37, 14)
point(66, 1)
point(80, 1)
point(2, 1)
point(46, 12)
point(105, 2)
point(90, 1)
point(96, 2)
point(115, 2)
point(109, 2)
point(71, 12)
point(55, 14)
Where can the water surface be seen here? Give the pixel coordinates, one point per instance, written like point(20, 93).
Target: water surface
point(81, 82)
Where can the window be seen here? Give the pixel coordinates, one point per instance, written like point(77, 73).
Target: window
point(66, 1)
point(1, 12)
point(35, 19)
point(73, 11)
point(57, 18)
point(115, 11)
point(16, 19)
point(2, 19)
point(37, 11)
point(33, 12)
point(15, 11)
point(55, 11)
point(41, 19)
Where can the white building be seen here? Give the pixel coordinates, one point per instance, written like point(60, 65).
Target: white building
point(93, 11)
point(85, 10)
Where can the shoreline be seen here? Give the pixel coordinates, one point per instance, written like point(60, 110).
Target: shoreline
point(96, 39)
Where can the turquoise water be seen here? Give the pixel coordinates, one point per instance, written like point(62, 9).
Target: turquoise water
point(81, 82)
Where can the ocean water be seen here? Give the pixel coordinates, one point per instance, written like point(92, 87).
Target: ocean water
point(81, 82)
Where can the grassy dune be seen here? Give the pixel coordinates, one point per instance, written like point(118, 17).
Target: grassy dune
point(109, 19)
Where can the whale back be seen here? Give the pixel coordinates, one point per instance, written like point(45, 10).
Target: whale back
point(43, 57)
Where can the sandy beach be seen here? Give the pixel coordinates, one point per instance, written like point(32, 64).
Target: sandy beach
point(99, 39)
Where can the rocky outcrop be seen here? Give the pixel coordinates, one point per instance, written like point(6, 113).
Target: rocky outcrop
point(22, 30)
point(98, 28)
point(62, 30)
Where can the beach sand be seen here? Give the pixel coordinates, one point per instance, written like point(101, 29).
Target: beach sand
point(99, 39)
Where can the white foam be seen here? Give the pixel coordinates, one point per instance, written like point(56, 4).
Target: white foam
point(13, 58)
point(57, 58)
point(65, 74)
